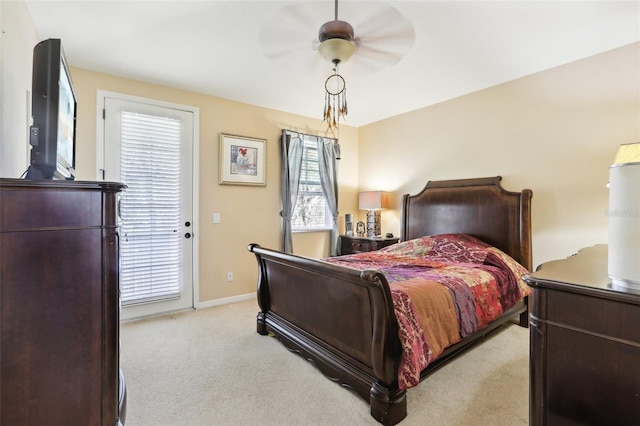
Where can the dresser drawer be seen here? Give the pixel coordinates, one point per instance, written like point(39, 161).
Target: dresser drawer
point(357, 246)
point(353, 245)
point(604, 317)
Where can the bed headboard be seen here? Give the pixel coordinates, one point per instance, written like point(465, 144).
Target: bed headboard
point(478, 207)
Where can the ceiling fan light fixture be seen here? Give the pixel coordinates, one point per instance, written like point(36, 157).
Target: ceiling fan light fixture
point(337, 50)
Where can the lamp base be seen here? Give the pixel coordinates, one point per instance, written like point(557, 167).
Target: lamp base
point(624, 227)
point(625, 285)
point(374, 227)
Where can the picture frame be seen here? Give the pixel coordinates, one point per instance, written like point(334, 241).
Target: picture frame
point(243, 160)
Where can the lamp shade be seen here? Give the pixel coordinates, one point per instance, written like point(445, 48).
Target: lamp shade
point(336, 50)
point(628, 153)
point(373, 200)
point(624, 219)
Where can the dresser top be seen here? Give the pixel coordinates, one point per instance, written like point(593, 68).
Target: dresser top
point(378, 238)
point(22, 184)
point(584, 272)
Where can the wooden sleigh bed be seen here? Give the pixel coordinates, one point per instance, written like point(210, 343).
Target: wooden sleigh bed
point(343, 320)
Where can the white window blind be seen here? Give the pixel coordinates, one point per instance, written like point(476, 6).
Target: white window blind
point(310, 212)
point(150, 208)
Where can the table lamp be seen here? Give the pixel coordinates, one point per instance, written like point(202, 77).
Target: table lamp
point(373, 202)
point(624, 219)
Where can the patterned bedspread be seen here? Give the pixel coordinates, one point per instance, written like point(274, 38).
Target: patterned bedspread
point(444, 288)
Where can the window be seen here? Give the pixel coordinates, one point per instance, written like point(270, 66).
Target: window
point(310, 212)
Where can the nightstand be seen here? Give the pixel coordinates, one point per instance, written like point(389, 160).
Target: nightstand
point(352, 245)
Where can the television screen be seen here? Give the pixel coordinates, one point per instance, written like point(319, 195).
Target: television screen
point(66, 123)
point(53, 110)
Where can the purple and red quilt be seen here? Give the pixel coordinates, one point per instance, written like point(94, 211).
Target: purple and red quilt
point(444, 287)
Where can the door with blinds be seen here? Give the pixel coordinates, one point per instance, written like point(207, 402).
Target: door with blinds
point(149, 148)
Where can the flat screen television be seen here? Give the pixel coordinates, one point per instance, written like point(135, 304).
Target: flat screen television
point(53, 110)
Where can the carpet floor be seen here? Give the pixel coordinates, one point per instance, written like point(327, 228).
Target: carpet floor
point(209, 367)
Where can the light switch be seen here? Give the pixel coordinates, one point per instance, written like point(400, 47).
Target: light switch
point(216, 218)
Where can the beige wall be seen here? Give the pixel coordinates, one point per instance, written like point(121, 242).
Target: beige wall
point(555, 132)
point(248, 214)
point(16, 45)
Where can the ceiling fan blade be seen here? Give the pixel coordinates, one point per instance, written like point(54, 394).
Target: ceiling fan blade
point(288, 33)
point(385, 22)
point(383, 37)
point(389, 56)
point(284, 50)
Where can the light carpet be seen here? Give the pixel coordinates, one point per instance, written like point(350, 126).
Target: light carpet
point(210, 367)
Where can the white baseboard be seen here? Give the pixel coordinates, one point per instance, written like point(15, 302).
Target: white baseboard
point(203, 305)
point(225, 300)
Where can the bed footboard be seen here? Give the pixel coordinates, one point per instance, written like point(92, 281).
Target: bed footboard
point(340, 318)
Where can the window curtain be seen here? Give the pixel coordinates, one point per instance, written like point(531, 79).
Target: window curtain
point(291, 150)
point(328, 153)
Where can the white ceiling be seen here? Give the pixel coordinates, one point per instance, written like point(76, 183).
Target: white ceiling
point(220, 47)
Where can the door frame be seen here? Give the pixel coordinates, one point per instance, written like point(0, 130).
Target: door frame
point(195, 174)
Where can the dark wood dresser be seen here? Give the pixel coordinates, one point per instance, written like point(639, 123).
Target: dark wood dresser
point(352, 245)
point(59, 304)
point(585, 344)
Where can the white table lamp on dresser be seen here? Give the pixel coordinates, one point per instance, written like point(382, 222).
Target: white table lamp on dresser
point(624, 219)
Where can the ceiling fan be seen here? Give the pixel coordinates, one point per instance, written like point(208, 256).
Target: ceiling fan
point(380, 35)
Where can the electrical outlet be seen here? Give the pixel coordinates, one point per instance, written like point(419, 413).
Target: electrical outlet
point(229, 276)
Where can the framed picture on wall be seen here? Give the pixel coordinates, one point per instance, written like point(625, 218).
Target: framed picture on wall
point(242, 160)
